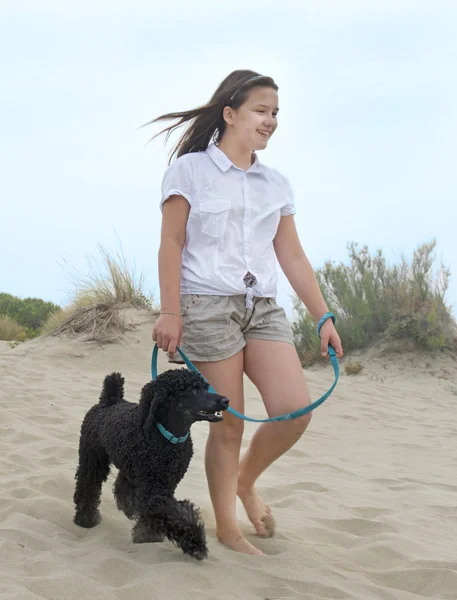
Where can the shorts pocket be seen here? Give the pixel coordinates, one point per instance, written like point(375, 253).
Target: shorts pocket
point(206, 320)
point(187, 301)
point(214, 216)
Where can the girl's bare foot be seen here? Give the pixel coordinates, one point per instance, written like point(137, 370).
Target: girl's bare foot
point(235, 540)
point(258, 512)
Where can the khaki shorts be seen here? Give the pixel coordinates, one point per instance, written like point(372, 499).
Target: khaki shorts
point(217, 327)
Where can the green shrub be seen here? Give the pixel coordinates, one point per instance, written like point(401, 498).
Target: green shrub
point(371, 298)
point(10, 330)
point(306, 339)
point(353, 368)
point(31, 313)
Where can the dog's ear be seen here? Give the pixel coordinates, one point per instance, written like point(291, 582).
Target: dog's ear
point(151, 398)
point(152, 413)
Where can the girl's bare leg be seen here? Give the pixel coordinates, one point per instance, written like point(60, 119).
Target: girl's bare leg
point(275, 370)
point(223, 451)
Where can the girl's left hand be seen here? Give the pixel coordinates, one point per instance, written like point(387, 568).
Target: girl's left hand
point(329, 335)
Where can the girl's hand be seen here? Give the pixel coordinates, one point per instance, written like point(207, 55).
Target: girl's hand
point(167, 332)
point(329, 335)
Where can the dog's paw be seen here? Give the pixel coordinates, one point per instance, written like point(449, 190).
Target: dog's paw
point(141, 534)
point(87, 519)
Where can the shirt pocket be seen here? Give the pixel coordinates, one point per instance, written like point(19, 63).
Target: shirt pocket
point(214, 216)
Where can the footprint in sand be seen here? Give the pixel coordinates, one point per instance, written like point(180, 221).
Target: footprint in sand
point(358, 527)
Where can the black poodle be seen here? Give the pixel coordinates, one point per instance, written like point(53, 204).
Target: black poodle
point(150, 444)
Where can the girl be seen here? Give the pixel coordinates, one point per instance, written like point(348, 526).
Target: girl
point(226, 218)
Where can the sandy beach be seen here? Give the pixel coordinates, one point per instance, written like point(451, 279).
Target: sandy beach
point(365, 503)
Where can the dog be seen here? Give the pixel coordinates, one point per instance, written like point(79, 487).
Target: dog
point(150, 444)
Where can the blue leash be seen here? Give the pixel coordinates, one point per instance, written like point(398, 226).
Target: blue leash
point(286, 417)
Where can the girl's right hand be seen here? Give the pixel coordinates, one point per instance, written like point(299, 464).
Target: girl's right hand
point(167, 332)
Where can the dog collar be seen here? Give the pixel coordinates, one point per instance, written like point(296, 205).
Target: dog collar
point(170, 437)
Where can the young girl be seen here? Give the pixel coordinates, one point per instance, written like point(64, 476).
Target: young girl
point(226, 218)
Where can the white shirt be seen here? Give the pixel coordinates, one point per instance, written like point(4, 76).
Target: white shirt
point(233, 219)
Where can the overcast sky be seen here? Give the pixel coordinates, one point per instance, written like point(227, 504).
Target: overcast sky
point(367, 130)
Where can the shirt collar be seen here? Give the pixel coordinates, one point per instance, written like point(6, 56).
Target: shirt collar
point(224, 163)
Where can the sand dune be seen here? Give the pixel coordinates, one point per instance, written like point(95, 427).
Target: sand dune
point(366, 503)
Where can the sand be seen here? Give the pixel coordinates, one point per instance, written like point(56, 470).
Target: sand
point(365, 503)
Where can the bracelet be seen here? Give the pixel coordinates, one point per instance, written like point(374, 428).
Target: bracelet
point(328, 315)
point(180, 314)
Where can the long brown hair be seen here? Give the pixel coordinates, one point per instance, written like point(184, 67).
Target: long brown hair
point(206, 123)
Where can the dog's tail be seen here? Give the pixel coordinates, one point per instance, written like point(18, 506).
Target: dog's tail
point(113, 390)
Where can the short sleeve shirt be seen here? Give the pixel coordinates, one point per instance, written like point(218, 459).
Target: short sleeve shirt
point(233, 219)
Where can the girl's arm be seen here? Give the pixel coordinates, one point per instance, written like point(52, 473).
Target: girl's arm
point(168, 329)
point(175, 213)
point(300, 274)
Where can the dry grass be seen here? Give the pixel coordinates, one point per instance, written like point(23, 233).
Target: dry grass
point(60, 317)
point(101, 322)
point(97, 307)
point(10, 330)
point(57, 319)
point(113, 281)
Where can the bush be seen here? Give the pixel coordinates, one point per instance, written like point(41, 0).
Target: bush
point(112, 282)
point(10, 330)
point(306, 339)
point(31, 313)
point(94, 310)
point(94, 307)
point(96, 322)
point(56, 319)
point(371, 298)
point(353, 368)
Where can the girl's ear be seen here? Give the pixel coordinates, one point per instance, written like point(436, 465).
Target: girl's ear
point(227, 114)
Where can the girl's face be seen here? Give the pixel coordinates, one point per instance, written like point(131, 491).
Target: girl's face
point(255, 121)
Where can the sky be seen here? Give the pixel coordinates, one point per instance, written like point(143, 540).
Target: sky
point(367, 130)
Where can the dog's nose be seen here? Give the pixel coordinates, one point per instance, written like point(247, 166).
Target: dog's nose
point(225, 402)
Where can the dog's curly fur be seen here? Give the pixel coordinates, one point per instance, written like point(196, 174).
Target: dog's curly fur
point(125, 434)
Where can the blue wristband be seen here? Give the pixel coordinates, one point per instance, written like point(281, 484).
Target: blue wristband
point(328, 315)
